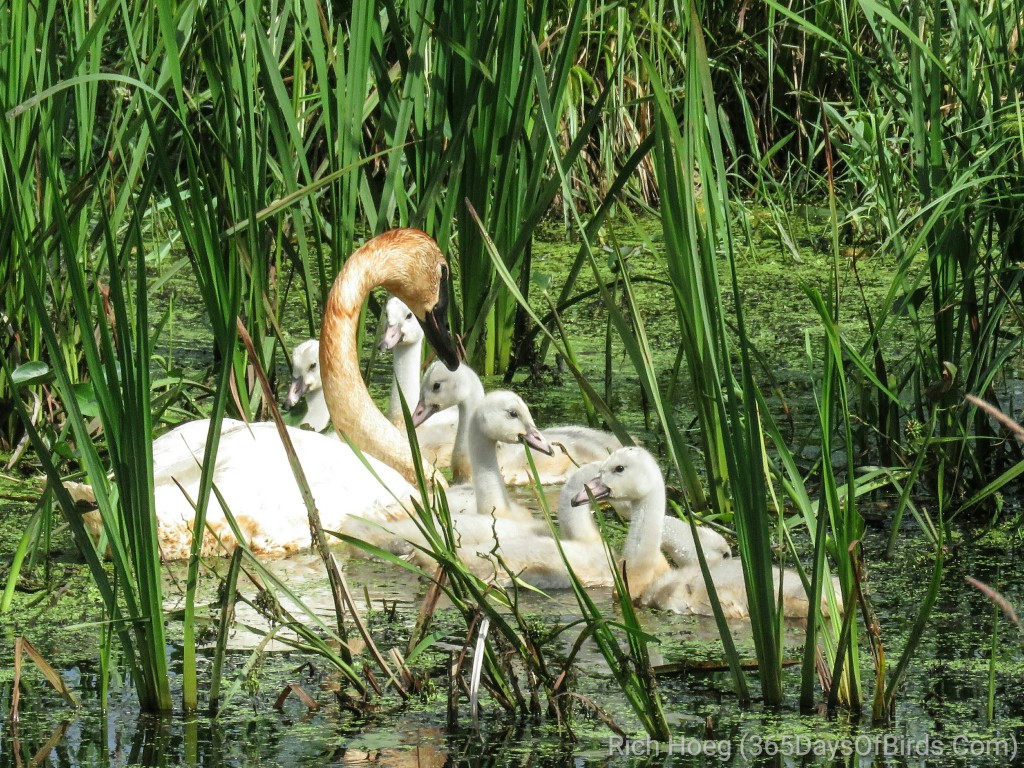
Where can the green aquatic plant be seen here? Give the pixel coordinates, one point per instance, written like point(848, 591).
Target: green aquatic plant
point(731, 439)
point(116, 349)
point(932, 177)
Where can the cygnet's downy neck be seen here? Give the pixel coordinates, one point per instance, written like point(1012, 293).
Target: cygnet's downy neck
point(317, 416)
point(576, 523)
point(642, 549)
point(488, 484)
point(462, 464)
point(406, 379)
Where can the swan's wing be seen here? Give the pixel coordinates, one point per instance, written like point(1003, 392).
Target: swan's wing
point(585, 444)
point(677, 542)
point(573, 445)
point(179, 453)
point(256, 480)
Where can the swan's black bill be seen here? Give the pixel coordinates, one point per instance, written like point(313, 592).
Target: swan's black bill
point(435, 327)
point(597, 489)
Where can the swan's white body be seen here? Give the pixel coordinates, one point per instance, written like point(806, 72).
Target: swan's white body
point(252, 470)
point(573, 445)
point(534, 557)
point(307, 384)
point(677, 539)
point(632, 474)
point(404, 337)
point(255, 478)
point(683, 590)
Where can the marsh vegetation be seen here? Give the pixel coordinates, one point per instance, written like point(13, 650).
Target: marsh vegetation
point(777, 245)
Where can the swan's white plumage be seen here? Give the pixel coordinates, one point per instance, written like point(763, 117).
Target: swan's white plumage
point(252, 471)
point(573, 445)
point(255, 478)
point(683, 590)
point(632, 474)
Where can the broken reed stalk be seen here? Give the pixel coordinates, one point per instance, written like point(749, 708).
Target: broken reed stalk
point(22, 648)
point(1012, 426)
point(316, 527)
point(365, 633)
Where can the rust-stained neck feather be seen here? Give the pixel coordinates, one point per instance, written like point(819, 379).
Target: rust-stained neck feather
point(406, 262)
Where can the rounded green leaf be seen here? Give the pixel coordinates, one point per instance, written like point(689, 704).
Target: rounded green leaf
point(32, 372)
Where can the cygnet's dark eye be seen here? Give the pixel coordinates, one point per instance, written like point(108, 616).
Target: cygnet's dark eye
point(409, 316)
point(513, 414)
point(437, 386)
point(619, 469)
point(312, 366)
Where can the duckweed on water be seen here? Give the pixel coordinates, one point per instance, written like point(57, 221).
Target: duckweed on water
point(945, 691)
point(943, 695)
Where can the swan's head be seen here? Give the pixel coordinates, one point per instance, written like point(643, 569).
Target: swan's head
point(441, 388)
point(402, 327)
point(626, 475)
point(574, 486)
point(503, 417)
point(417, 273)
point(305, 372)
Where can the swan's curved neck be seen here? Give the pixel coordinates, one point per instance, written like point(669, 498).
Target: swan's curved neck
point(352, 409)
point(577, 523)
point(488, 484)
point(462, 467)
point(317, 415)
point(406, 379)
point(642, 549)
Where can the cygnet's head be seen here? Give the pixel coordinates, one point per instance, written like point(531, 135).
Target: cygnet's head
point(503, 417)
point(574, 485)
point(402, 329)
point(305, 372)
point(628, 474)
point(441, 388)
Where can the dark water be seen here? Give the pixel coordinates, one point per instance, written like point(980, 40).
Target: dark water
point(941, 706)
point(941, 713)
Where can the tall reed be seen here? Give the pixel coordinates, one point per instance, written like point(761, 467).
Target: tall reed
point(727, 411)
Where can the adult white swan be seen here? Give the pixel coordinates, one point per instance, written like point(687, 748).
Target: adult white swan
point(252, 471)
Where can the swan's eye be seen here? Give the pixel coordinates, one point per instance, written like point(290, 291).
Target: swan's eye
point(437, 386)
point(409, 316)
point(513, 414)
point(312, 366)
point(619, 469)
